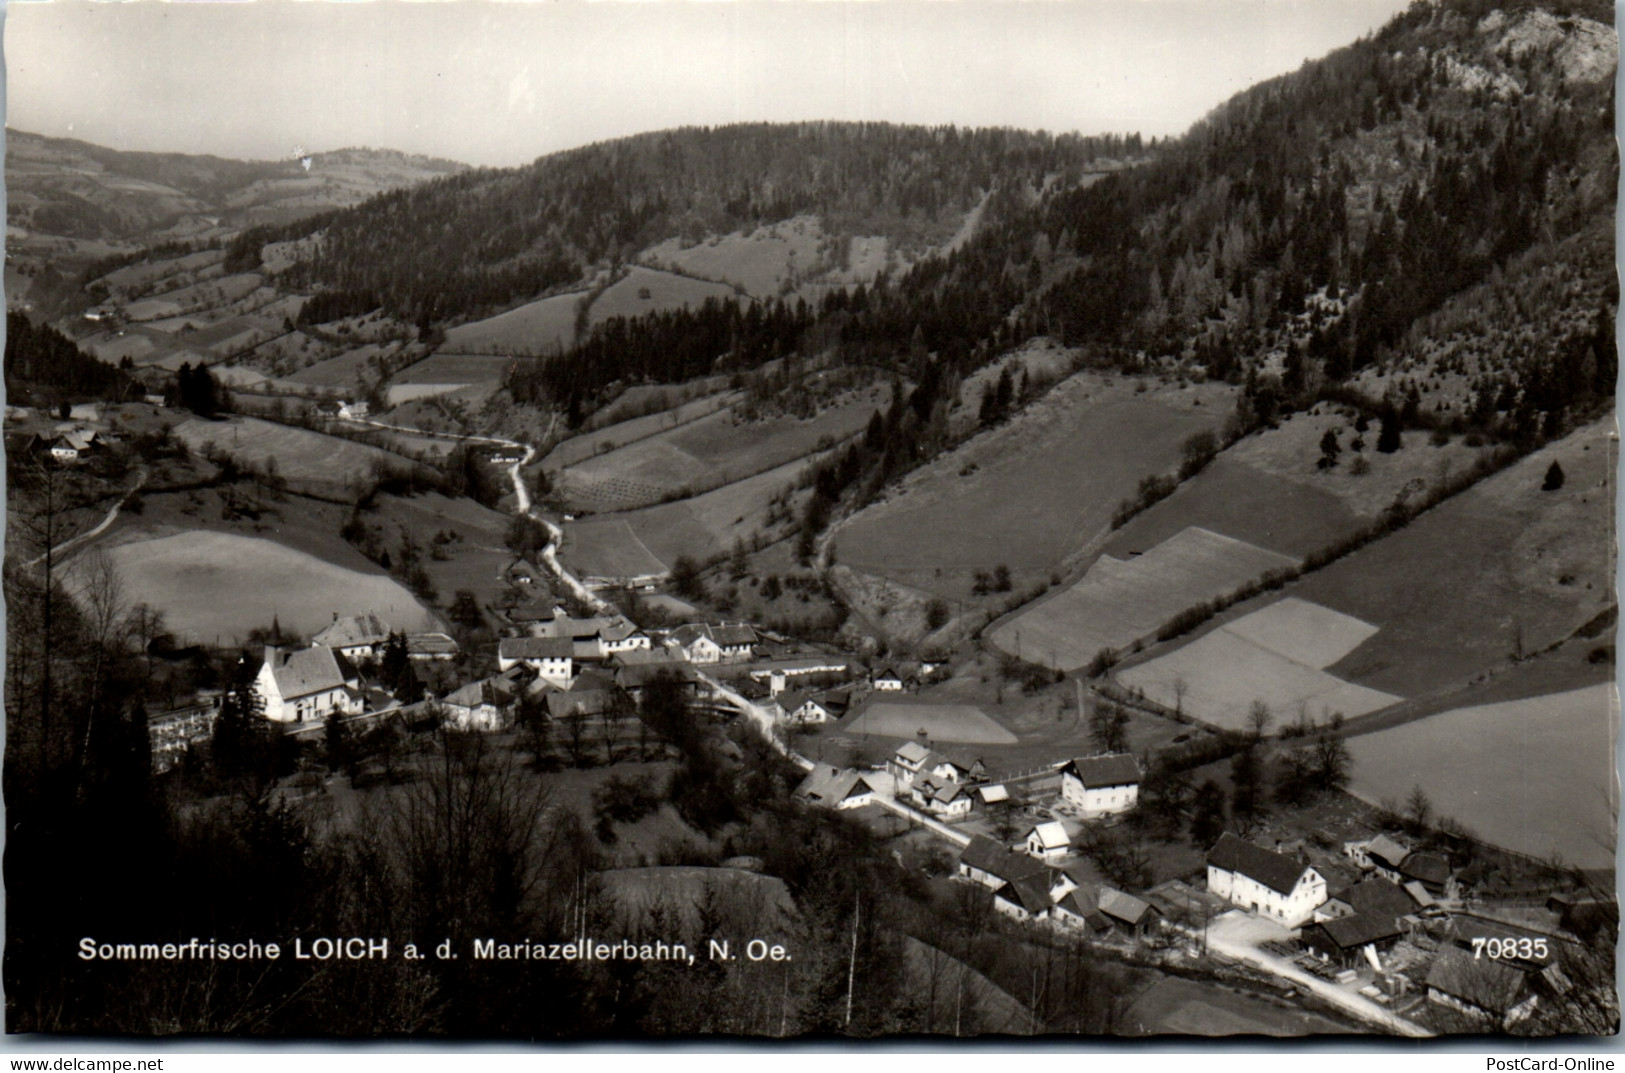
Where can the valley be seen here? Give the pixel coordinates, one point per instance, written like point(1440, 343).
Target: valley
point(1008, 536)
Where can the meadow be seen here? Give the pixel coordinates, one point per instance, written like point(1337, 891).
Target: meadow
point(308, 459)
point(540, 327)
point(1274, 655)
point(214, 586)
point(1533, 775)
point(1032, 492)
point(705, 454)
point(958, 723)
point(1118, 602)
point(1500, 570)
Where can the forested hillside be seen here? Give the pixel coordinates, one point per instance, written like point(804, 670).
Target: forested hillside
point(503, 235)
point(1435, 201)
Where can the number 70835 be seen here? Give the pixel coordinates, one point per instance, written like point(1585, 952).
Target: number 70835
point(1498, 949)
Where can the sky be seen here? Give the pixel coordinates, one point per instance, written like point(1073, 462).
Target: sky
point(503, 83)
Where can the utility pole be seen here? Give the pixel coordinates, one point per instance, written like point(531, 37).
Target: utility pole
point(852, 962)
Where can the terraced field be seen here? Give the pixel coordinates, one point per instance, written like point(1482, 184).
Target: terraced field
point(651, 539)
point(1276, 655)
point(1118, 602)
point(706, 453)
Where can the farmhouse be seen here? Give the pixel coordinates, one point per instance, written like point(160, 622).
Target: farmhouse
point(552, 658)
point(1023, 898)
point(355, 637)
point(305, 685)
point(1347, 940)
point(1281, 888)
point(836, 788)
point(799, 707)
point(907, 762)
point(1049, 841)
point(1381, 853)
point(889, 681)
point(702, 643)
point(595, 638)
point(941, 797)
point(485, 705)
point(956, 768)
point(1429, 869)
point(350, 411)
point(1133, 916)
point(1101, 785)
point(1482, 988)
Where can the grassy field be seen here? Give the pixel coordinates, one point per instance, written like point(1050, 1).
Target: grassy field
point(1118, 602)
point(608, 546)
point(474, 560)
point(453, 369)
point(1500, 568)
point(706, 453)
point(578, 449)
point(1032, 492)
point(539, 327)
point(760, 260)
point(213, 585)
point(1533, 775)
point(942, 722)
point(340, 371)
point(306, 458)
point(664, 290)
point(1275, 655)
point(700, 527)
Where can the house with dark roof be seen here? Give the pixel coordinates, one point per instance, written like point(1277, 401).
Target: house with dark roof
point(635, 678)
point(1346, 939)
point(305, 685)
point(485, 705)
point(1376, 895)
point(1488, 992)
point(552, 658)
point(836, 788)
point(889, 680)
point(798, 707)
point(1101, 785)
point(1024, 898)
point(1278, 887)
point(1432, 870)
point(704, 643)
point(1134, 917)
point(956, 766)
point(941, 797)
point(1380, 852)
point(1078, 910)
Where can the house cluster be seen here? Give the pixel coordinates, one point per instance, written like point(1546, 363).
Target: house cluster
point(1029, 889)
point(1398, 924)
point(66, 442)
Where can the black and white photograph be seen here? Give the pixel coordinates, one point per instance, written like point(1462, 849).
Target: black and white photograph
point(1082, 520)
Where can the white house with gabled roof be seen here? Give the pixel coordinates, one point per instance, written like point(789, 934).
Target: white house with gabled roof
point(305, 685)
point(1274, 885)
point(1101, 785)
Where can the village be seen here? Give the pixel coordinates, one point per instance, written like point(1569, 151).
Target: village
point(1363, 923)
